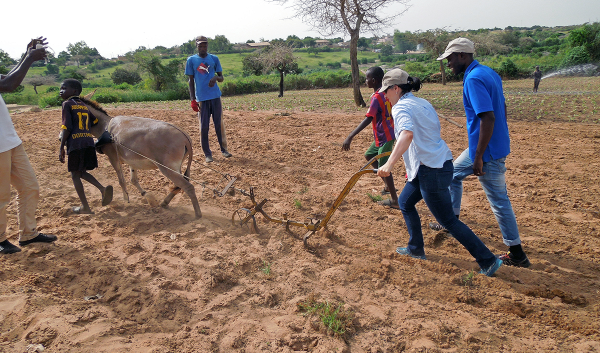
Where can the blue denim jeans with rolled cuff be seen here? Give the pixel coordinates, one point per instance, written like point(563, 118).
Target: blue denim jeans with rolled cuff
point(432, 186)
point(494, 186)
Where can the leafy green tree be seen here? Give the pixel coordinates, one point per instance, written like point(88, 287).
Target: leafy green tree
point(251, 65)
point(508, 69)
point(163, 76)
point(78, 51)
point(218, 45)
point(402, 42)
point(387, 50)
point(309, 42)
point(312, 50)
point(278, 57)
point(576, 56)
point(294, 41)
point(121, 75)
point(435, 42)
point(73, 72)
point(189, 47)
point(52, 69)
point(588, 37)
point(363, 43)
point(5, 59)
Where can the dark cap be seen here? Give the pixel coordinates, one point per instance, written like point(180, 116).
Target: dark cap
point(201, 39)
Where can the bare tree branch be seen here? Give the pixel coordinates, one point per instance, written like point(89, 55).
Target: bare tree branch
point(329, 17)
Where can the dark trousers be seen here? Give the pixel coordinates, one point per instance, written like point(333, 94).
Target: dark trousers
point(212, 108)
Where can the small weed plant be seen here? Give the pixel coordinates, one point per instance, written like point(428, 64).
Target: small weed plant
point(266, 269)
point(374, 198)
point(297, 204)
point(334, 317)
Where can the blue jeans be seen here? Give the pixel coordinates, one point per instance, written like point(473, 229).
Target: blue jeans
point(494, 186)
point(432, 185)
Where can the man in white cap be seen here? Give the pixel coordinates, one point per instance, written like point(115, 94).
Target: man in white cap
point(489, 143)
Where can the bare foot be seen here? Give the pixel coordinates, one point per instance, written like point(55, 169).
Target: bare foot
point(81, 210)
point(107, 195)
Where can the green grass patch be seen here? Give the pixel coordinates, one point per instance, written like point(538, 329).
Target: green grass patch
point(374, 198)
point(335, 318)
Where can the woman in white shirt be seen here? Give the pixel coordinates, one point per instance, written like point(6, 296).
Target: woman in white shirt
point(428, 162)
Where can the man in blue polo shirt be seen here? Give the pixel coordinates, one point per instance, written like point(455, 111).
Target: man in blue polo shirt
point(204, 71)
point(489, 143)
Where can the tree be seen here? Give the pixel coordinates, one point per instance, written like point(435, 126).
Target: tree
point(72, 72)
point(78, 51)
point(5, 59)
point(121, 75)
point(163, 76)
point(38, 80)
point(336, 16)
point(309, 42)
point(294, 42)
point(312, 50)
point(251, 65)
point(435, 42)
point(387, 50)
point(52, 70)
point(402, 42)
point(278, 57)
point(219, 45)
point(588, 37)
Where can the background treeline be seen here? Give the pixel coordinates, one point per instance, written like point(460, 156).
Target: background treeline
point(157, 74)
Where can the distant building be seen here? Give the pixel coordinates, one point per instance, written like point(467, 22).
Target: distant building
point(321, 43)
point(386, 40)
point(258, 45)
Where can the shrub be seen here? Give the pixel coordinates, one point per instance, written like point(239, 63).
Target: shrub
point(124, 86)
point(52, 100)
point(123, 76)
point(52, 89)
point(576, 56)
point(106, 98)
point(334, 65)
point(508, 69)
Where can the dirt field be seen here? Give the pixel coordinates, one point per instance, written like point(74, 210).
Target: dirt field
point(133, 278)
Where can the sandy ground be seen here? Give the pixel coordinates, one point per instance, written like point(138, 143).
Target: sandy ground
point(135, 278)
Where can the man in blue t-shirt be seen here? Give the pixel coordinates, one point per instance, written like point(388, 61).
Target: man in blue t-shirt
point(489, 143)
point(204, 71)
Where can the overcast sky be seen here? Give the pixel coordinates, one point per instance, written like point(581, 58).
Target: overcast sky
point(116, 27)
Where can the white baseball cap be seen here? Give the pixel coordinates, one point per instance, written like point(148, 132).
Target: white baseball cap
point(394, 77)
point(459, 45)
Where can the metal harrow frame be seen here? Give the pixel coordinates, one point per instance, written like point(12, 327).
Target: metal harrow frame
point(244, 217)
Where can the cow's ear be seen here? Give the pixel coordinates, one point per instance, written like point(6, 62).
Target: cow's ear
point(90, 95)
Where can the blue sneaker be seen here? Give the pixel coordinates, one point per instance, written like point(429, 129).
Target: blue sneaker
point(405, 251)
point(492, 269)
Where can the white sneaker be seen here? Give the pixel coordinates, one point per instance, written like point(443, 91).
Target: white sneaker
point(208, 159)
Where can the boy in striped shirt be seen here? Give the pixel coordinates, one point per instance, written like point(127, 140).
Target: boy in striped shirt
point(380, 117)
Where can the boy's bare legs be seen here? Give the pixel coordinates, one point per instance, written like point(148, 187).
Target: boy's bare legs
point(85, 207)
point(389, 182)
